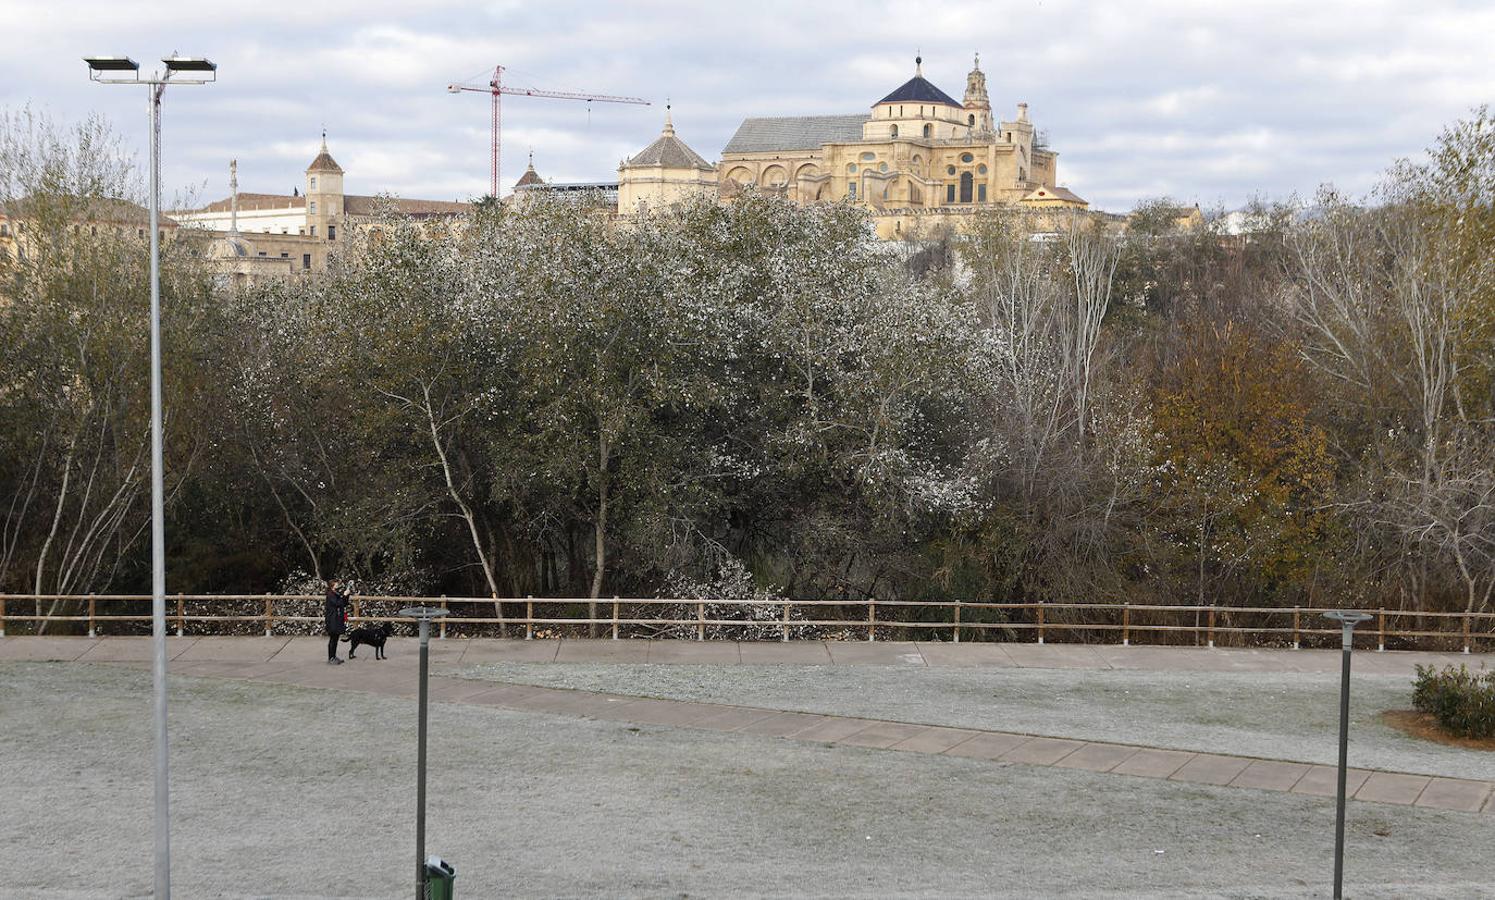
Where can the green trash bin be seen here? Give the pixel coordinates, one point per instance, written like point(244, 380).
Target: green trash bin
point(439, 878)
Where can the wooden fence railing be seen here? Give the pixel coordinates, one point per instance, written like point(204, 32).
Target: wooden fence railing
point(947, 619)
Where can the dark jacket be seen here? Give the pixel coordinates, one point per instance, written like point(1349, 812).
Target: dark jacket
point(336, 612)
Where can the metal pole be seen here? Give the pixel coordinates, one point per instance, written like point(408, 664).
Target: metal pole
point(158, 527)
point(1347, 621)
point(1344, 755)
point(420, 766)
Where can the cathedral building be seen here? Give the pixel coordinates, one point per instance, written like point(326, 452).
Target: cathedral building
point(918, 157)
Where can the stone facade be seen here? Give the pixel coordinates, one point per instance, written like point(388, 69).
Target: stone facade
point(255, 236)
point(918, 157)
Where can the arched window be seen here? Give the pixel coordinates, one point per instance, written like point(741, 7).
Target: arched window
point(973, 120)
point(895, 131)
point(965, 187)
point(928, 130)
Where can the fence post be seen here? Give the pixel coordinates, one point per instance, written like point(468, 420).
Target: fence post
point(615, 617)
point(1040, 621)
point(90, 615)
point(1381, 631)
point(700, 619)
point(529, 617)
point(1210, 634)
point(269, 615)
point(1466, 633)
point(957, 622)
point(1296, 624)
point(1126, 624)
point(2, 615)
point(871, 619)
point(785, 626)
point(441, 633)
point(357, 607)
point(181, 612)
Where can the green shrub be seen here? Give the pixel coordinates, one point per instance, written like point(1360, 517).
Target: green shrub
point(1462, 702)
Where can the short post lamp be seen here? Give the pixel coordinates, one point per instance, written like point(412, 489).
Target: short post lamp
point(124, 70)
point(424, 615)
point(1347, 620)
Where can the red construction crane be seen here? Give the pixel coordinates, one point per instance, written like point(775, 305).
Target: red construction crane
point(496, 88)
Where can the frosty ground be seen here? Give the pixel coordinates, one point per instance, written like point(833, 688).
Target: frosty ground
point(296, 792)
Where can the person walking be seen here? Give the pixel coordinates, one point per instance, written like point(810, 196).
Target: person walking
point(336, 613)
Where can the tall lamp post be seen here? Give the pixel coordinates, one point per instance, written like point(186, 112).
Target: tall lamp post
point(1347, 620)
point(124, 70)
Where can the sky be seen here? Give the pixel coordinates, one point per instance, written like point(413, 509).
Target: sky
point(1204, 102)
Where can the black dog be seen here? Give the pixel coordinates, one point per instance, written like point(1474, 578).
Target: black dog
point(374, 637)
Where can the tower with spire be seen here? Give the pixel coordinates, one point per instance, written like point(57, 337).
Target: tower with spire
point(324, 194)
point(977, 103)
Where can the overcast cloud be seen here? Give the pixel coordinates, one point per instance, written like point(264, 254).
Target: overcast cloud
point(1209, 103)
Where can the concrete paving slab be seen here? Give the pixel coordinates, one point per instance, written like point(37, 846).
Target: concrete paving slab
point(775, 653)
point(1387, 787)
point(987, 745)
point(1042, 751)
point(1311, 661)
point(1268, 775)
point(1152, 763)
point(934, 739)
point(663, 712)
point(882, 735)
point(732, 718)
point(1097, 757)
point(449, 690)
point(234, 649)
point(509, 650)
point(303, 647)
point(1323, 781)
point(503, 695)
point(132, 649)
point(1055, 656)
point(450, 650)
point(875, 653)
point(836, 729)
point(782, 725)
point(696, 652)
point(983, 655)
point(1456, 793)
point(44, 649)
point(602, 651)
point(1211, 768)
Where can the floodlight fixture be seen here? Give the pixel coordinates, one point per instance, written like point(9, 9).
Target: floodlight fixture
point(112, 63)
point(189, 64)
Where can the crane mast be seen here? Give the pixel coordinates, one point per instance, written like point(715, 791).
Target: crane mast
point(496, 89)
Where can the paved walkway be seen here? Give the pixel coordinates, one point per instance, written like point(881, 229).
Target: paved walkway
point(298, 661)
point(819, 653)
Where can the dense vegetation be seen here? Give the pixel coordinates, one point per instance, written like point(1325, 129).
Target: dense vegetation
point(541, 402)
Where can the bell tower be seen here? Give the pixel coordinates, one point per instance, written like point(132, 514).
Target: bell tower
point(977, 104)
point(324, 195)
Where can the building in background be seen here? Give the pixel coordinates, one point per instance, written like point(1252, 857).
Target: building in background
point(254, 235)
point(919, 158)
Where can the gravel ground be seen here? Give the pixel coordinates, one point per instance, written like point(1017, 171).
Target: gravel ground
point(1277, 716)
point(292, 792)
